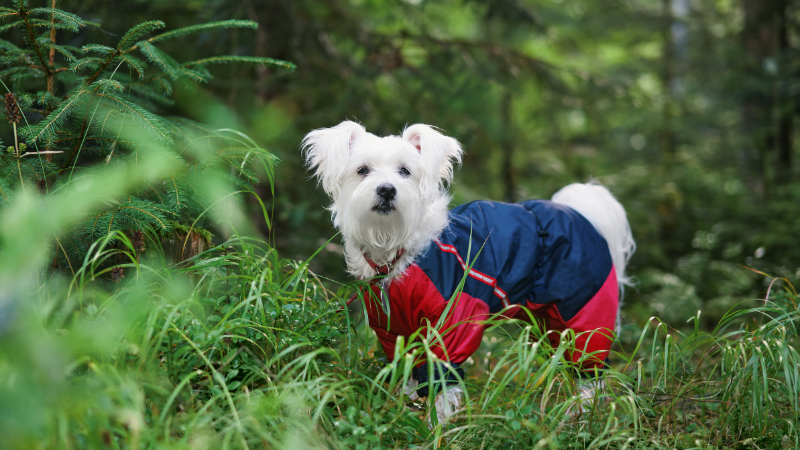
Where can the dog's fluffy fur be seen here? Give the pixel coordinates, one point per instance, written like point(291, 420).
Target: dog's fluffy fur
point(419, 212)
point(389, 194)
point(420, 207)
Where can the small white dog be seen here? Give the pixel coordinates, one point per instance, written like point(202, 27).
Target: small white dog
point(564, 259)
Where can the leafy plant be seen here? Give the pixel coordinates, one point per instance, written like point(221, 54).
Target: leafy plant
point(95, 106)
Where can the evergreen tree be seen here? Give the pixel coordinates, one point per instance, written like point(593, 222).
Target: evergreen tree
point(77, 110)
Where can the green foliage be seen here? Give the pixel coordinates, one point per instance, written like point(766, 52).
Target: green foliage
point(203, 27)
point(82, 113)
point(240, 348)
point(244, 349)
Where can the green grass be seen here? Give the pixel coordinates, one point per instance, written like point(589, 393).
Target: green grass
point(238, 348)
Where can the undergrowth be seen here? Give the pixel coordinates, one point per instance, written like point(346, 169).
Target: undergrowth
point(238, 348)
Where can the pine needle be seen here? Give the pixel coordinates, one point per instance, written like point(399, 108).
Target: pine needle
point(203, 27)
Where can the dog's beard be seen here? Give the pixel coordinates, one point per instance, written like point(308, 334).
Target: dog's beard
point(383, 206)
point(380, 228)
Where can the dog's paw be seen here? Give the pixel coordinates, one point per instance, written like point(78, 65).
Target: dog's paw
point(587, 391)
point(411, 389)
point(447, 405)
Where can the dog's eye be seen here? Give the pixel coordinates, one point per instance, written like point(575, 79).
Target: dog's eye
point(404, 172)
point(363, 171)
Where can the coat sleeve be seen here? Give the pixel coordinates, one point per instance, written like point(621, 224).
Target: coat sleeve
point(416, 304)
point(462, 330)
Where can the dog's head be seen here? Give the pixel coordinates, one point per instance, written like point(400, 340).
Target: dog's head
point(381, 187)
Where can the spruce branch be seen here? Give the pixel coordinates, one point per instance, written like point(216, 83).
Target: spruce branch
point(147, 120)
point(102, 67)
point(89, 62)
point(11, 25)
point(67, 20)
point(86, 124)
point(131, 36)
point(42, 23)
point(8, 46)
point(199, 75)
point(56, 118)
point(165, 62)
point(137, 32)
point(134, 63)
point(51, 78)
point(224, 59)
point(33, 40)
point(97, 48)
point(46, 43)
point(13, 116)
point(205, 26)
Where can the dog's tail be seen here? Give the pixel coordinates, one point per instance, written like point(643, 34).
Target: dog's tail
point(594, 202)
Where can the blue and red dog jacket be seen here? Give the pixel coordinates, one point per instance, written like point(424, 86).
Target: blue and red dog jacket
point(535, 254)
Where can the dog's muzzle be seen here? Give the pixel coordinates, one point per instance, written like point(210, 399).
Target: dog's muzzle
point(384, 203)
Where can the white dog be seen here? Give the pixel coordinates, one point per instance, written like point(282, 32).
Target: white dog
point(564, 259)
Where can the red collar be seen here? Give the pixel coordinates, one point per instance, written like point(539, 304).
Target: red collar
point(382, 270)
point(386, 268)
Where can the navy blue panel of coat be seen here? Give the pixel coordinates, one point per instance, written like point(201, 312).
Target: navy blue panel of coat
point(536, 251)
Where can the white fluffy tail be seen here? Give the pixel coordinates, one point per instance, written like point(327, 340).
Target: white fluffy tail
point(594, 202)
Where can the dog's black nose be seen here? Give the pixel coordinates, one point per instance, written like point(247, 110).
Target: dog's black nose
point(387, 191)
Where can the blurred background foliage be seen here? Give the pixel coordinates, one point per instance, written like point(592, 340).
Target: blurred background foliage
point(684, 108)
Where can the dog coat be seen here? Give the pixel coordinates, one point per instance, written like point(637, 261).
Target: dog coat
point(534, 254)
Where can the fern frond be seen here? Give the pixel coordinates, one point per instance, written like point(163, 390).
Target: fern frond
point(67, 19)
point(165, 62)
point(203, 27)
point(137, 32)
point(225, 59)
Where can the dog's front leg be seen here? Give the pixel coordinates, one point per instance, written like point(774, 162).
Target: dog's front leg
point(411, 389)
point(587, 391)
point(447, 403)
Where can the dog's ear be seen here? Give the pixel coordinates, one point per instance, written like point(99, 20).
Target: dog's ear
point(328, 150)
point(437, 154)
